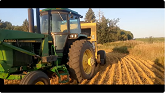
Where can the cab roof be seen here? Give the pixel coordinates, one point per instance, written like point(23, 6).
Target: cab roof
point(61, 9)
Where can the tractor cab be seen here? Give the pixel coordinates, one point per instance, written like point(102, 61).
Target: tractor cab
point(60, 23)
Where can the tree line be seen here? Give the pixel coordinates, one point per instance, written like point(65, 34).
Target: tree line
point(107, 29)
point(9, 26)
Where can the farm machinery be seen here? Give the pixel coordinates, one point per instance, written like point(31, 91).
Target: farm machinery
point(61, 45)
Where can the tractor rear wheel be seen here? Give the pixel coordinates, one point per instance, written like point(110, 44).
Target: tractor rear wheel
point(81, 60)
point(35, 78)
point(102, 56)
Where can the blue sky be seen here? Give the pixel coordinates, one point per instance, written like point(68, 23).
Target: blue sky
point(142, 22)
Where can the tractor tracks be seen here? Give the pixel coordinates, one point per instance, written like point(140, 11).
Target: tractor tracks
point(121, 69)
point(127, 70)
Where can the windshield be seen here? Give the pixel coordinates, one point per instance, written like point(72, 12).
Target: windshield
point(59, 22)
point(44, 24)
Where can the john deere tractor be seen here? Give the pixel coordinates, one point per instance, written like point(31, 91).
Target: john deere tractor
point(61, 46)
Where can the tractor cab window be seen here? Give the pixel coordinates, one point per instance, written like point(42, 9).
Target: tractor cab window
point(44, 24)
point(59, 22)
point(75, 25)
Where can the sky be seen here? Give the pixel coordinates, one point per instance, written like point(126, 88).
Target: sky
point(142, 22)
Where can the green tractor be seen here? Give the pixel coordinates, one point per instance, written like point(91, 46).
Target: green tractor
point(59, 46)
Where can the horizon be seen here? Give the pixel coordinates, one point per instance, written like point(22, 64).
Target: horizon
point(141, 22)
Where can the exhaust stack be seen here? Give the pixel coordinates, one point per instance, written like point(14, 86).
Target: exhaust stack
point(38, 20)
point(31, 20)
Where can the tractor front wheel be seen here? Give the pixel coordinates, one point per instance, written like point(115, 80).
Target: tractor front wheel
point(35, 78)
point(81, 60)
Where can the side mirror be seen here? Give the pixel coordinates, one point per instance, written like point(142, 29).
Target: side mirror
point(81, 16)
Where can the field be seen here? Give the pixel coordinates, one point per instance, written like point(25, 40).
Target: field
point(131, 62)
point(127, 69)
point(151, 39)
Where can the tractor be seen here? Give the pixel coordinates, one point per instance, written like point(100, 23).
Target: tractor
point(62, 45)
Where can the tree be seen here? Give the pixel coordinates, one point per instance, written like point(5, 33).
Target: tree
point(35, 28)
point(19, 28)
point(6, 25)
point(90, 16)
point(103, 33)
point(25, 25)
point(9, 26)
point(109, 31)
point(113, 29)
point(129, 35)
point(2, 24)
point(100, 13)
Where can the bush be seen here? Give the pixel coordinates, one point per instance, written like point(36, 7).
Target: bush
point(122, 49)
point(160, 61)
point(151, 39)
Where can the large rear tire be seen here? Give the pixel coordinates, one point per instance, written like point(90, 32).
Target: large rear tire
point(81, 60)
point(35, 78)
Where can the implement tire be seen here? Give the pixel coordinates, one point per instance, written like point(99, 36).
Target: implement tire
point(35, 78)
point(102, 57)
point(81, 60)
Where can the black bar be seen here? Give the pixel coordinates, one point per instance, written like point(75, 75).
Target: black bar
point(100, 4)
point(82, 88)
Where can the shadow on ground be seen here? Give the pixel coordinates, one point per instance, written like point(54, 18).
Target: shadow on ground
point(158, 70)
point(113, 57)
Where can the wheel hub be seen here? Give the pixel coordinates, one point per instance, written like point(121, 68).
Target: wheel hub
point(88, 61)
point(91, 61)
point(39, 83)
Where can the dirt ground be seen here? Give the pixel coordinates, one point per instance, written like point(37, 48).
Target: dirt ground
point(128, 70)
point(121, 69)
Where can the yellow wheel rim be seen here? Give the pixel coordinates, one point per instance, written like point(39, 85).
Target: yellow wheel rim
point(87, 61)
point(39, 83)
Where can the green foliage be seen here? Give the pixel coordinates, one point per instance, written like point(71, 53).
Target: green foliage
point(109, 31)
point(129, 44)
point(19, 28)
point(160, 61)
point(25, 25)
point(121, 49)
point(6, 25)
point(150, 39)
point(90, 16)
